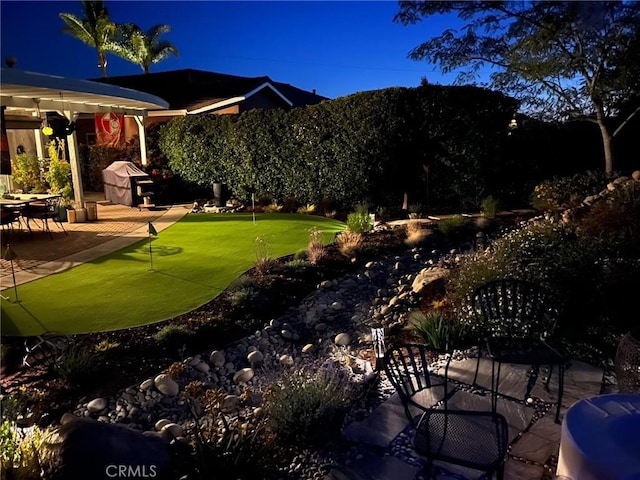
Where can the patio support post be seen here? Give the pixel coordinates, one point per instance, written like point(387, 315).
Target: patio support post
point(143, 139)
point(39, 143)
point(76, 174)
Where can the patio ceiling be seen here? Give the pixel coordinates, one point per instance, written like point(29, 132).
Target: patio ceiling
point(19, 89)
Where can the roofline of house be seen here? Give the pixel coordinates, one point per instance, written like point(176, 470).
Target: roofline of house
point(233, 100)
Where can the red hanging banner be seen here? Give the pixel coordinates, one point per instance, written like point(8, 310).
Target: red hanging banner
point(109, 128)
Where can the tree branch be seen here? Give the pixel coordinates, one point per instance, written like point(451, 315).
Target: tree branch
point(627, 120)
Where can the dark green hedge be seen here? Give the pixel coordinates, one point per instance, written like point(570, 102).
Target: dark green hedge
point(366, 147)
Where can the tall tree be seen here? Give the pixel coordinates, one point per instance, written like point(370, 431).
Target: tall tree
point(143, 48)
point(562, 59)
point(95, 29)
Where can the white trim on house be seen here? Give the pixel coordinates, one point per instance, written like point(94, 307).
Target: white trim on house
point(168, 113)
point(234, 100)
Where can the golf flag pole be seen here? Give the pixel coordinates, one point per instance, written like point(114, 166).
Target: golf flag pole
point(253, 207)
point(10, 255)
point(152, 233)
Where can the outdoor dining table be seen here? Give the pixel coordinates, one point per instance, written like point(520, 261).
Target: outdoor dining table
point(600, 439)
point(20, 199)
point(21, 202)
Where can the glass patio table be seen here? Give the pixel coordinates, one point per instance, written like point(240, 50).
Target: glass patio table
point(600, 439)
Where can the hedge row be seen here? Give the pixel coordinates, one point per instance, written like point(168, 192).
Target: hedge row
point(441, 145)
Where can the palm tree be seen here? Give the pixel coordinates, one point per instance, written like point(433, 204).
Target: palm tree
point(95, 29)
point(143, 48)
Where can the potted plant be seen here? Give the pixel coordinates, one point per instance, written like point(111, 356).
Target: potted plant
point(59, 177)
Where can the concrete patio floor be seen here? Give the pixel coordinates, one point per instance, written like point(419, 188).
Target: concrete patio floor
point(534, 437)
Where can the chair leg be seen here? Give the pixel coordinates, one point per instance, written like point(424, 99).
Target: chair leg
point(546, 383)
point(533, 378)
point(495, 382)
point(59, 223)
point(475, 377)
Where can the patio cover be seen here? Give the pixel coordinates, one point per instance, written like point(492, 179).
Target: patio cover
point(117, 179)
point(28, 93)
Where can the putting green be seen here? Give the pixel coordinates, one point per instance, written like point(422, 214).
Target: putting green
point(193, 260)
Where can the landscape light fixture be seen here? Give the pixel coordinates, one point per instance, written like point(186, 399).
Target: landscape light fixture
point(377, 338)
point(44, 126)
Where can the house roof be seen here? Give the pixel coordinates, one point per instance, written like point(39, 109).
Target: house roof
point(197, 91)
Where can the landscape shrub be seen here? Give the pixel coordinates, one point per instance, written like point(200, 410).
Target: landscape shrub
point(237, 450)
point(456, 227)
point(59, 172)
point(349, 243)
point(264, 263)
point(568, 191)
point(241, 291)
point(359, 221)
point(593, 276)
point(24, 455)
point(307, 209)
point(28, 171)
point(415, 233)
point(316, 250)
point(173, 336)
point(297, 265)
point(307, 407)
point(273, 208)
point(79, 365)
point(489, 207)
point(439, 330)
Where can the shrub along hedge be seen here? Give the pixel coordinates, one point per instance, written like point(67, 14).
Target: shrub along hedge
point(370, 146)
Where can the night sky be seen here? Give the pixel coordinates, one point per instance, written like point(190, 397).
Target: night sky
point(334, 47)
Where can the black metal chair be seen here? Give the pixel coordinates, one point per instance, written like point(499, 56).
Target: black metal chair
point(9, 216)
point(50, 210)
point(407, 368)
point(517, 319)
point(477, 440)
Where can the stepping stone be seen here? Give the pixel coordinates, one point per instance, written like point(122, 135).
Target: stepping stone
point(374, 468)
point(389, 419)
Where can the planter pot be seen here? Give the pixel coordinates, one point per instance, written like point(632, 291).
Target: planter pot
point(81, 215)
point(62, 213)
point(77, 215)
point(627, 363)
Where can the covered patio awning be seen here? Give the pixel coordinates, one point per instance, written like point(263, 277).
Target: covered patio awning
point(20, 88)
point(33, 94)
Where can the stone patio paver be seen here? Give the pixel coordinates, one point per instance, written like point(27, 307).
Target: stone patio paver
point(533, 444)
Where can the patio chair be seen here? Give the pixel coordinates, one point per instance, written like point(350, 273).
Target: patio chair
point(517, 319)
point(471, 439)
point(9, 217)
point(45, 212)
point(406, 367)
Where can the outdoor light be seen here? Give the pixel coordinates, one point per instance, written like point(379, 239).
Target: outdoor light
point(377, 338)
point(513, 124)
point(46, 129)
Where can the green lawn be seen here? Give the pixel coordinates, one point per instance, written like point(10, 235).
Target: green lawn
point(194, 260)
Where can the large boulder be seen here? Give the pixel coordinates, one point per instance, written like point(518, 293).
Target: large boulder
point(430, 278)
point(98, 450)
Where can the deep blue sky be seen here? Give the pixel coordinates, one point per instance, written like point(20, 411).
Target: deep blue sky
point(337, 48)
